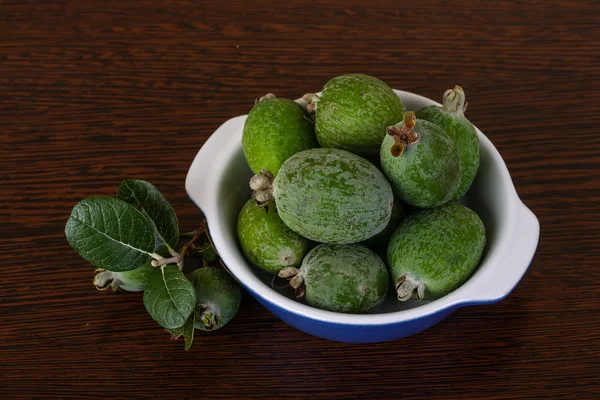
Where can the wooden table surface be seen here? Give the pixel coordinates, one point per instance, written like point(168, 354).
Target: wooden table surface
point(94, 92)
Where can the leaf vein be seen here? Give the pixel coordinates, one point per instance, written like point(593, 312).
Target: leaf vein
point(110, 237)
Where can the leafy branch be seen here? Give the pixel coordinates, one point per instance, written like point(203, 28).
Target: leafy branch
point(131, 239)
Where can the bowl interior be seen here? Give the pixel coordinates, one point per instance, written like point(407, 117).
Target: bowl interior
point(487, 196)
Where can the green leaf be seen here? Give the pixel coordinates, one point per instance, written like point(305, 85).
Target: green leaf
point(169, 297)
point(110, 234)
point(177, 332)
point(188, 330)
point(148, 199)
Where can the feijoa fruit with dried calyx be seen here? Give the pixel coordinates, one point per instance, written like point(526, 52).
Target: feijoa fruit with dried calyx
point(328, 195)
point(265, 239)
point(353, 111)
point(130, 281)
point(274, 130)
point(342, 278)
point(421, 162)
point(218, 297)
point(434, 251)
point(451, 118)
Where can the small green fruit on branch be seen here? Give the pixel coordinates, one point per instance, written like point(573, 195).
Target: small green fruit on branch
point(131, 241)
point(130, 281)
point(218, 298)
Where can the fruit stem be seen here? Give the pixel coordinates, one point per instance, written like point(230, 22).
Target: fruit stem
point(407, 286)
point(311, 102)
point(454, 100)
point(192, 242)
point(176, 259)
point(160, 260)
point(403, 133)
point(262, 187)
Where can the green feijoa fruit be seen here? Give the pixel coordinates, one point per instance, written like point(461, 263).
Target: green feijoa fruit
point(343, 278)
point(421, 162)
point(266, 241)
point(276, 129)
point(380, 241)
point(451, 118)
point(328, 195)
point(218, 297)
point(434, 251)
point(352, 113)
point(130, 281)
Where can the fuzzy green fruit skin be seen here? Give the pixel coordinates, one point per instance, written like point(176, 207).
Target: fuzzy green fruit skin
point(465, 139)
point(134, 280)
point(332, 196)
point(440, 247)
point(427, 173)
point(215, 287)
point(274, 130)
point(353, 112)
point(266, 241)
point(344, 278)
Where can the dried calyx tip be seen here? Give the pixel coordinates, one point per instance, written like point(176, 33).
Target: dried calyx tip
point(107, 279)
point(261, 181)
point(403, 133)
point(104, 279)
point(296, 280)
point(262, 186)
point(209, 317)
point(263, 198)
point(268, 96)
point(454, 100)
point(406, 287)
point(300, 291)
point(409, 119)
point(288, 272)
point(311, 102)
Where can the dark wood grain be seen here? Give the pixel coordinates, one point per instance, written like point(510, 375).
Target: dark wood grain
point(94, 92)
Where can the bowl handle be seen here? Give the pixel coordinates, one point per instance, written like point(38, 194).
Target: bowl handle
point(200, 183)
point(497, 286)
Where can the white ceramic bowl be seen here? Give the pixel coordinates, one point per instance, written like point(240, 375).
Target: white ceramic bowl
point(217, 182)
